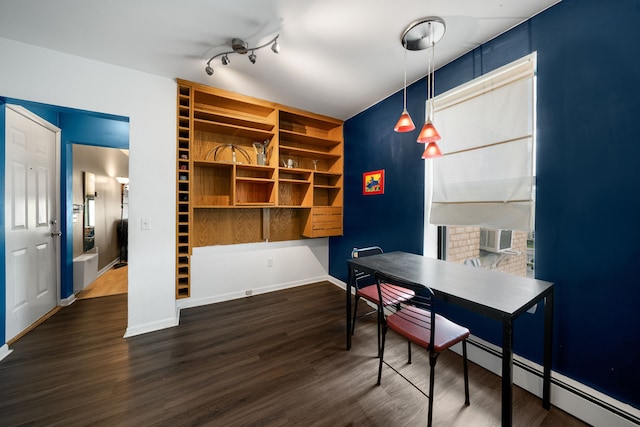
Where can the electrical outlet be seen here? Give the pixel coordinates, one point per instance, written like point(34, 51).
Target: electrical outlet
point(248, 292)
point(270, 262)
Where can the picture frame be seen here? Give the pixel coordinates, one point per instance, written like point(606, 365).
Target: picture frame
point(373, 182)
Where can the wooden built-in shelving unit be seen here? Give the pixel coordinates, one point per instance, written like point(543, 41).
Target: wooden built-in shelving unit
point(225, 197)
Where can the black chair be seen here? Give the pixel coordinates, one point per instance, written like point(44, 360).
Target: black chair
point(420, 324)
point(365, 287)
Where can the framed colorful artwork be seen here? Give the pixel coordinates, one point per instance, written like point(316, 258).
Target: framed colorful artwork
point(373, 182)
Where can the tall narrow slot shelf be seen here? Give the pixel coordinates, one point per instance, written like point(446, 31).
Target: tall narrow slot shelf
point(229, 193)
point(183, 197)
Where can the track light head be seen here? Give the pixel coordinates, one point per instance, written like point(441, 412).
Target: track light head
point(226, 60)
point(275, 47)
point(252, 58)
point(209, 70)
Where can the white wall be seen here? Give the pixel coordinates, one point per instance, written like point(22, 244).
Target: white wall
point(218, 273)
point(41, 75)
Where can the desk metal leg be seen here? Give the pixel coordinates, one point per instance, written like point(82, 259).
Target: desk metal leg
point(507, 370)
point(548, 343)
point(348, 305)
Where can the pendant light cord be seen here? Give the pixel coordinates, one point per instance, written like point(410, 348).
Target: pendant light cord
point(405, 75)
point(430, 76)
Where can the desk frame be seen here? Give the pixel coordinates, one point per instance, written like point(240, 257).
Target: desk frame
point(497, 295)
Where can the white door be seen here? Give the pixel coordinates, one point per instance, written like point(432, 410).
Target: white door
point(31, 173)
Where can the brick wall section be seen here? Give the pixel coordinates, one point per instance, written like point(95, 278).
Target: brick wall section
point(464, 243)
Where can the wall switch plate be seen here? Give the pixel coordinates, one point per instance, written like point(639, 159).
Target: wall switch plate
point(144, 224)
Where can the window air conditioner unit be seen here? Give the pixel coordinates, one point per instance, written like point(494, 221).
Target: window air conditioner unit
point(495, 240)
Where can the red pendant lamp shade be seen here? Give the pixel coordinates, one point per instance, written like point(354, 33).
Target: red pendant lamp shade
point(428, 133)
point(404, 124)
point(432, 151)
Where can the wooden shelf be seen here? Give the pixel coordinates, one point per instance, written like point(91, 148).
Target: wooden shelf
point(213, 115)
point(183, 194)
point(231, 199)
point(231, 130)
point(314, 154)
point(255, 204)
point(300, 138)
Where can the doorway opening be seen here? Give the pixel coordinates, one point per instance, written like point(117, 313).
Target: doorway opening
point(100, 220)
point(77, 127)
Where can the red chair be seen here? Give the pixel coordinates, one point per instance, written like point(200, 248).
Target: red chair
point(365, 287)
point(420, 324)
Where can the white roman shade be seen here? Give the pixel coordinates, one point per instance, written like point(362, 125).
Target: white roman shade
point(487, 174)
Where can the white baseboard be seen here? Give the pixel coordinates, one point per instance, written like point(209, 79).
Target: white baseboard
point(212, 299)
point(65, 302)
point(577, 399)
point(108, 267)
point(4, 351)
point(153, 326)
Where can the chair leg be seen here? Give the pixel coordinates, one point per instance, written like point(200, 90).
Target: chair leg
point(466, 372)
point(409, 352)
point(433, 358)
point(381, 353)
point(355, 311)
point(380, 314)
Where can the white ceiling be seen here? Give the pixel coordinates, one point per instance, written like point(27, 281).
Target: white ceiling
point(337, 57)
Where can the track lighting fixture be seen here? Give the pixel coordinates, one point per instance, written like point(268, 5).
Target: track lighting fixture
point(241, 47)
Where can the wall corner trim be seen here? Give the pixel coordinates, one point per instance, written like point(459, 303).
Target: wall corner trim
point(5, 351)
point(153, 326)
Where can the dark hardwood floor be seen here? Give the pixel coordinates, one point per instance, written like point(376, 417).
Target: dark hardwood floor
point(276, 359)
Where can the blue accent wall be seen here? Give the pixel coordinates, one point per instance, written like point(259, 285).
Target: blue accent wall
point(588, 203)
point(391, 220)
point(77, 126)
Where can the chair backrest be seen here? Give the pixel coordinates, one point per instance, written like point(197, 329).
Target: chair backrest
point(424, 300)
point(368, 251)
point(363, 279)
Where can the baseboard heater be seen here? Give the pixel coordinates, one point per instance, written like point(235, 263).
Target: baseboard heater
point(631, 418)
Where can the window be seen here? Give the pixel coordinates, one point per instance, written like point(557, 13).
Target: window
point(484, 185)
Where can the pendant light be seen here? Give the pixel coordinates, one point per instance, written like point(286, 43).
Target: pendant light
point(405, 124)
point(420, 35)
point(432, 151)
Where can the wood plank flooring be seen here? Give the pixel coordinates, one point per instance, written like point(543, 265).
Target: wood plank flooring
point(276, 359)
point(113, 282)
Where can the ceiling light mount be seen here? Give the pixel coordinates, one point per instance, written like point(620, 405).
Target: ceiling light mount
point(423, 33)
point(241, 47)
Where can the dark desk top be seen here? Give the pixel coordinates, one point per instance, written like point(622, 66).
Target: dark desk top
point(489, 292)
